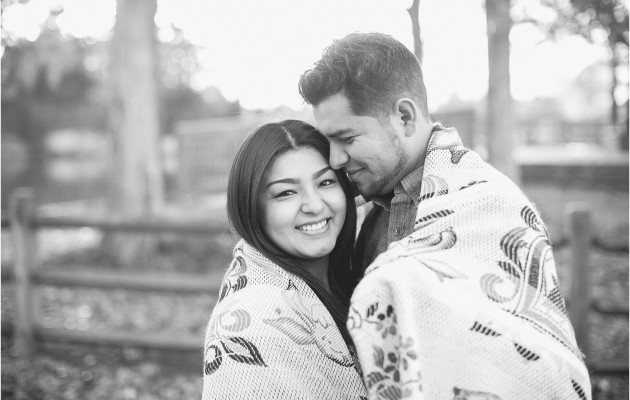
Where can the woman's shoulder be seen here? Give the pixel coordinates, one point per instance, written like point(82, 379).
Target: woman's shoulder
point(275, 322)
point(251, 272)
point(265, 341)
point(268, 326)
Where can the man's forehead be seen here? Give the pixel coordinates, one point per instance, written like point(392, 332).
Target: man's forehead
point(337, 104)
point(333, 114)
point(333, 127)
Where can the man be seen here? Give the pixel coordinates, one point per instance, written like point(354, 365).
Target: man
point(378, 125)
point(460, 298)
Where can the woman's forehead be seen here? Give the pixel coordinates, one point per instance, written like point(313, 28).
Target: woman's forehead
point(301, 162)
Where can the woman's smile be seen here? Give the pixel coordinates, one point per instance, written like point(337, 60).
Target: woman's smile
point(314, 228)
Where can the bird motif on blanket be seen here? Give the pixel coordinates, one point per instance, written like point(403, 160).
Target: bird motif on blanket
point(313, 326)
point(422, 247)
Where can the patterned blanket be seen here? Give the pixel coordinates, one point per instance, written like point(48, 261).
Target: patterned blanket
point(270, 337)
point(468, 305)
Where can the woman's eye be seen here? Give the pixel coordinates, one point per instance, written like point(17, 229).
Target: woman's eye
point(348, 140)
point(327, 182)
point(286, 193)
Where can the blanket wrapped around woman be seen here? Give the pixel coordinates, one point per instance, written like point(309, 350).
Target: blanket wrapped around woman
point(468, 305)
point(270, 337)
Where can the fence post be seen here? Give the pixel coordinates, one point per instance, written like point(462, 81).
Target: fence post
point(21, 214)
point(579, 222)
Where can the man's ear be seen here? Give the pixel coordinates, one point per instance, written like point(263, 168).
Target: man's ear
point(407, 113)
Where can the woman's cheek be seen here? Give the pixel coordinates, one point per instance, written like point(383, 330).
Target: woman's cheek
point(340, 203)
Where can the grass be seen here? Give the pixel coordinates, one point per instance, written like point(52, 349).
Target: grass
point(69, 371)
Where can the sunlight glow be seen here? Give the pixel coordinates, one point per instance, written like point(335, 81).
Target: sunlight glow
point(87, 18)
point(25, 20)
point(543, 68)
point(255, 51)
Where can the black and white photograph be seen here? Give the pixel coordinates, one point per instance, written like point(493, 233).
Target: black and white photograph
point(332, 199)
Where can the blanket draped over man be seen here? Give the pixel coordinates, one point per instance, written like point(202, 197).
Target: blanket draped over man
point(270, 337)
point(468, 305)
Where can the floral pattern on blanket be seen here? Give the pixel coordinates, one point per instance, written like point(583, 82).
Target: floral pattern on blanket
point(397, 354)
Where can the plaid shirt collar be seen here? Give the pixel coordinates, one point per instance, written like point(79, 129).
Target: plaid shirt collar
point(411, 185)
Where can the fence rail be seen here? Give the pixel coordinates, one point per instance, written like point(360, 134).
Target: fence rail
point(154, 341)
point(24, 222)
point(107, 280)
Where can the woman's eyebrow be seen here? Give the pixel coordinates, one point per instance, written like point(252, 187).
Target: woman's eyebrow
point(321, 172)
point(295, 181)
point(285, 180)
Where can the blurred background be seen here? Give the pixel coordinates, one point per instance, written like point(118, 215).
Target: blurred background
point(120, 120)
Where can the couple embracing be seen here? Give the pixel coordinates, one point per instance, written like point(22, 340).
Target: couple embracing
point(448, 290)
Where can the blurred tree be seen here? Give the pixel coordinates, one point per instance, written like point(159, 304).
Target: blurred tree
point(415, 26)
point(58, 82)
point(178, 100)
point(45, 87)
point(137, 180)
point(500, 124)
point(590, 19)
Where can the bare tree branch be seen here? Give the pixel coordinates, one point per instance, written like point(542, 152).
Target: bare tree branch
point(415, 25)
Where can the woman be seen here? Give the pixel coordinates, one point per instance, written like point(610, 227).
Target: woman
point(279, 327)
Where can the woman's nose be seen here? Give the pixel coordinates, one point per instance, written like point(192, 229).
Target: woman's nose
point(312, 202)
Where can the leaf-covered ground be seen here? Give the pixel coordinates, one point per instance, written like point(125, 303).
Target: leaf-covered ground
point(70, 371)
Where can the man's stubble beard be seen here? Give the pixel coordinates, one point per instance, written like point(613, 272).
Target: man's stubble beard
point(375, 188)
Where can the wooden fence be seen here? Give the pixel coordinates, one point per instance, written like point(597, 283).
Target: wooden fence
point(579, 301)
point(27, 331)
point(24, 222)
point(557, 132)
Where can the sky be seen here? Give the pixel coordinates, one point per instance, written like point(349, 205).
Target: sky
point(255, 51)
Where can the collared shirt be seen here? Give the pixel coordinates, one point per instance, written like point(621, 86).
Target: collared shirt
point(390, 220)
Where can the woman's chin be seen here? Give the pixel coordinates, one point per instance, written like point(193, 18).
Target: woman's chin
point(314, 254)
point(316, 250)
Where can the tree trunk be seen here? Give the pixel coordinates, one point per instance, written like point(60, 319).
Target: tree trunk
point(500, 124)
point(614, 117)
point(137, 182)
point(415, 26)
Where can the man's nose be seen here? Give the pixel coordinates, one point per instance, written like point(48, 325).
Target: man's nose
point(338, 157)
point(312, 202)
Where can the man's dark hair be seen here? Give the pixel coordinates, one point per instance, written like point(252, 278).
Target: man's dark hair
point(372, 70)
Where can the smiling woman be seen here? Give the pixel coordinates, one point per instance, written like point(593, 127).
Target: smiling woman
point(304, 208)
point(279, 327)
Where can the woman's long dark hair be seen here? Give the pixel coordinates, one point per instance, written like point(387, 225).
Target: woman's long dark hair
point(245, 187)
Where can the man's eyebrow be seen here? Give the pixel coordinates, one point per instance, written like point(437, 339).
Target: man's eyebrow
point(338, 133)
point(285, 180)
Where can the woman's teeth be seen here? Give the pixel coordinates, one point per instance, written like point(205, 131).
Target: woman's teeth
point(313, 227)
